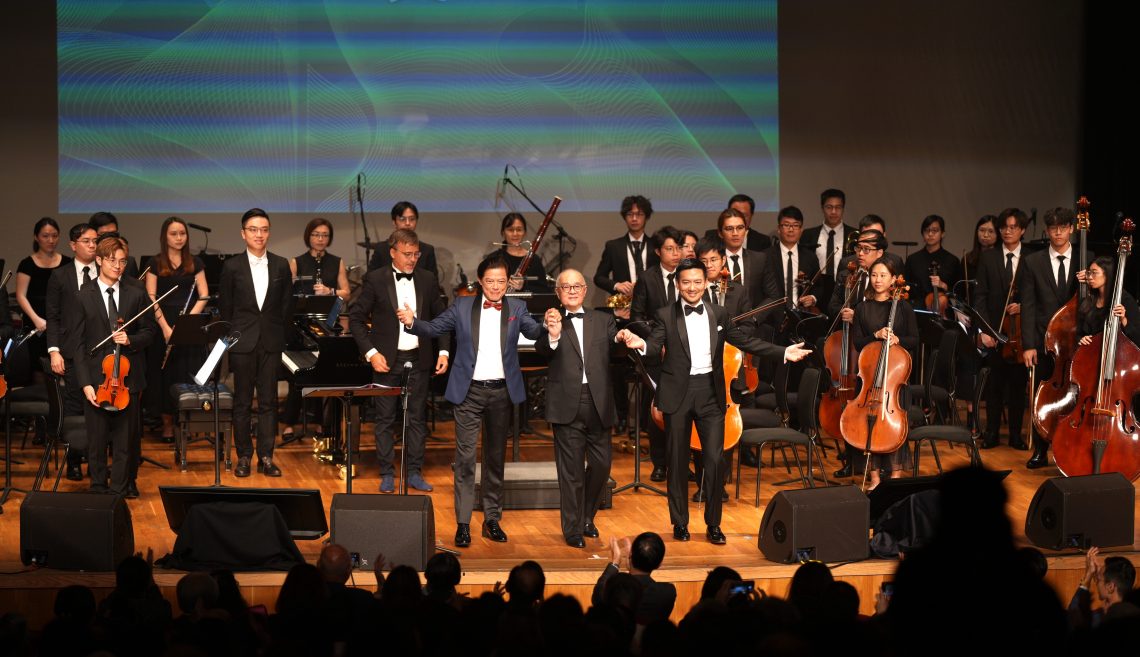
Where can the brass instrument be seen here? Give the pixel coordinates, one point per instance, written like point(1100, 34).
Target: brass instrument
point(618, 301)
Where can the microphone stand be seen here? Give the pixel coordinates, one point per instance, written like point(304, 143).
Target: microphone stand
point(367, 243)
point(404, 394)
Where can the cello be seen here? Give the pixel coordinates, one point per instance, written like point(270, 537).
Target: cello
point(840, 357)
point(1099, 434)
point(874, 422)
point(1056, 396)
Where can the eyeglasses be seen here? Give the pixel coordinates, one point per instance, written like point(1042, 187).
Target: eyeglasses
point(734, 229)
point(320, 236)
point(414, 255)
point(671, 249)
point(256, 230)
point(635, 215)
point(87, 240)
point(712, 262)
point(573, 287)
point(864, 250)
point(790, 226)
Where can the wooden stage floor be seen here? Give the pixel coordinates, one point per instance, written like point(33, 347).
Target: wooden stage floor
point(534, 534)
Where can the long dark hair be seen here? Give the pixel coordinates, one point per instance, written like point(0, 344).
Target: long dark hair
point(972, 256)
point(1108, 266)
point(163, 266)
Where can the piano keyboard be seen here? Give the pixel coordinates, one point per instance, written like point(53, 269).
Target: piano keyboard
point(299, 360)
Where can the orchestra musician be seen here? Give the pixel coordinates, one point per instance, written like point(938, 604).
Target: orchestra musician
point(921, 263)
point(997, 271)
point(101, 304)
point(106, 223)
point(406, 216)
point(788, 261)
point(985, 238)
point(1092, 311)
point(832, 234)
point(626, 257)
point(32, 275)
point(1048, 281)
point(871, 222)
point(388, 348)
point(753, 240)
point(869, 324)
point(691, 389)
point(688, 244)
point(745, 266)
point(579, 403)
point(513, 231)
point(485, 381)
point(255, 297)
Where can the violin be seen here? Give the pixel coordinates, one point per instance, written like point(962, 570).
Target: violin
point(112, 394)
point(1099, 434)
point(936, 301)
point(874, 422)
point(839, 357)
point(1011, 326)
point(1056, 396)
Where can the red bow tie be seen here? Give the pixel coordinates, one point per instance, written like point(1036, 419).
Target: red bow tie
point(497, 305)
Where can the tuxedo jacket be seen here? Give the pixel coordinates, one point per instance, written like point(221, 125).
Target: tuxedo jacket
point(755, 241)
point(614, 267)
point(62, 289)
point(88, 324)
point(671, 332)
point(381, 258)
point(1040, 296)
point(775, 286)
point(993, 285)
point(462, 318)
point(373, 321)
point(649, 294)
point(814, 236)
point(564, 378)
point(237, 303)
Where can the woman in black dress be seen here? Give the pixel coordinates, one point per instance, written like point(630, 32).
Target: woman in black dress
point(870, 325)
point(174, 266)
point(32, 276)
point(513, 230)
point(1093, 309)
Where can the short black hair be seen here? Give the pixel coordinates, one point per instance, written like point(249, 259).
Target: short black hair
point(872, 238)
point(640, 201)
point(442, 572)
point(666, 233)
point(100, 219)
point(707, 244)
point(930, 220)
point(526, 583)
point(832, 193)
point(493, 261)
point(872, 219)
point(1120, 572)
point(398, 209)
point(791, 212)
point(1059, 217)
point(251, 213)
point(1020, 216)
point(689, 233)
point(743, 198)
point(647, 552)
point(689, 263)
point(78, 229)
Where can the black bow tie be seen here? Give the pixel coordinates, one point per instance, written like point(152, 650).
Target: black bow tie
point(401, 275)
point(700, 310)
point(575, 315)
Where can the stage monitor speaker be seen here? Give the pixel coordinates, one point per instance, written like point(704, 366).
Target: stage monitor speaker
point(825, 524)
point(1079, 512)
point(75, 531)
point(401, 527)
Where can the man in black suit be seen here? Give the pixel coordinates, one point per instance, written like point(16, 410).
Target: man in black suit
point(100, 305)
point(387, 347)
point(691, 389)
point(644, 554)
point(625, 258)
point(1046, 282)
point(255, 296)
point(745, 266)
point(405, 216)
point(579, 403)
point(788, 261)
point(831, 237)
point(62, 288)
point(656, 289)
point(998, 268)
point(752, 240)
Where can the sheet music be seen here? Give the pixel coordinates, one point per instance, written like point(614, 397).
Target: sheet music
point(203, 374)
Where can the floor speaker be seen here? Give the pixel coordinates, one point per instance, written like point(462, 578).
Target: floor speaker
point(824, 524)
point(1068, 512)
point(401, 527)
point(75, 531)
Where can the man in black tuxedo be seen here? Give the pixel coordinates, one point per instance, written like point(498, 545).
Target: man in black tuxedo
point(62, 289)
point(100, 305)
point(788, 261)
point(831, 237)
point(752, 239)
point(1046, 282)
point(998, 268)
point(625, 258)
point(255, 296)
point(388, 348)
point(691, 389)
point(405, 216)
point(656, 289)
point(745, 266)
point(579, 403)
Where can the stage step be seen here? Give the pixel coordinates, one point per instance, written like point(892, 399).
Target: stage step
point(533, 485)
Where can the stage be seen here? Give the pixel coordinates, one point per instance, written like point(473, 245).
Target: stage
point(534, 534)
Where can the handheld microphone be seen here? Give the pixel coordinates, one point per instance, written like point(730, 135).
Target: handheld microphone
point(201, 228)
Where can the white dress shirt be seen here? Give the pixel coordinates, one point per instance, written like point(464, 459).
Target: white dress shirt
point(489, 351)
point(259, 268)
point(629, 256)
point(821, 249)
point(700, 342)
point(739, 255)
point(92, 272)
point(103, 287)
point(784, 251)
point(406, 294)
point(1056, 264)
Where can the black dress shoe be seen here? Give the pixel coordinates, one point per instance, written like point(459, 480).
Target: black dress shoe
point(132, 491)
point(462, 535)
point(748, 457)
point(1018, 442)
point(989, 440)
point(493, 531)
point(844, 472)
point(267, 467)
point(1040, 458)
point(590, 529)
point(74, 472)
point(576, 542)
point(658, 474)
point(715, 535)
point(242, 467)
point(680, 532)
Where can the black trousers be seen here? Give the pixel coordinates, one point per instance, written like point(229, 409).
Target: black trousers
point(255, 370)
point(114, 428)
point(1005, 389)
point(388, 414)
point(582, 454)
point(488, 409)
point(699, 406)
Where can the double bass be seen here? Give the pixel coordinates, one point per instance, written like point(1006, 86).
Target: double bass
point(839, 355)
point(1099, 434)
point(1056, 396)
point(874, 422)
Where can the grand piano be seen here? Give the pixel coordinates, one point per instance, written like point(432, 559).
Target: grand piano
point(317, 353)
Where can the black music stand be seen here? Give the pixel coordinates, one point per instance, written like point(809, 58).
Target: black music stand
point(346, 394)
point(219, 332)
point(644, 381)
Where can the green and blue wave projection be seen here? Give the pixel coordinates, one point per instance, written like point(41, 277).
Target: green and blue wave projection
point(216, 106)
